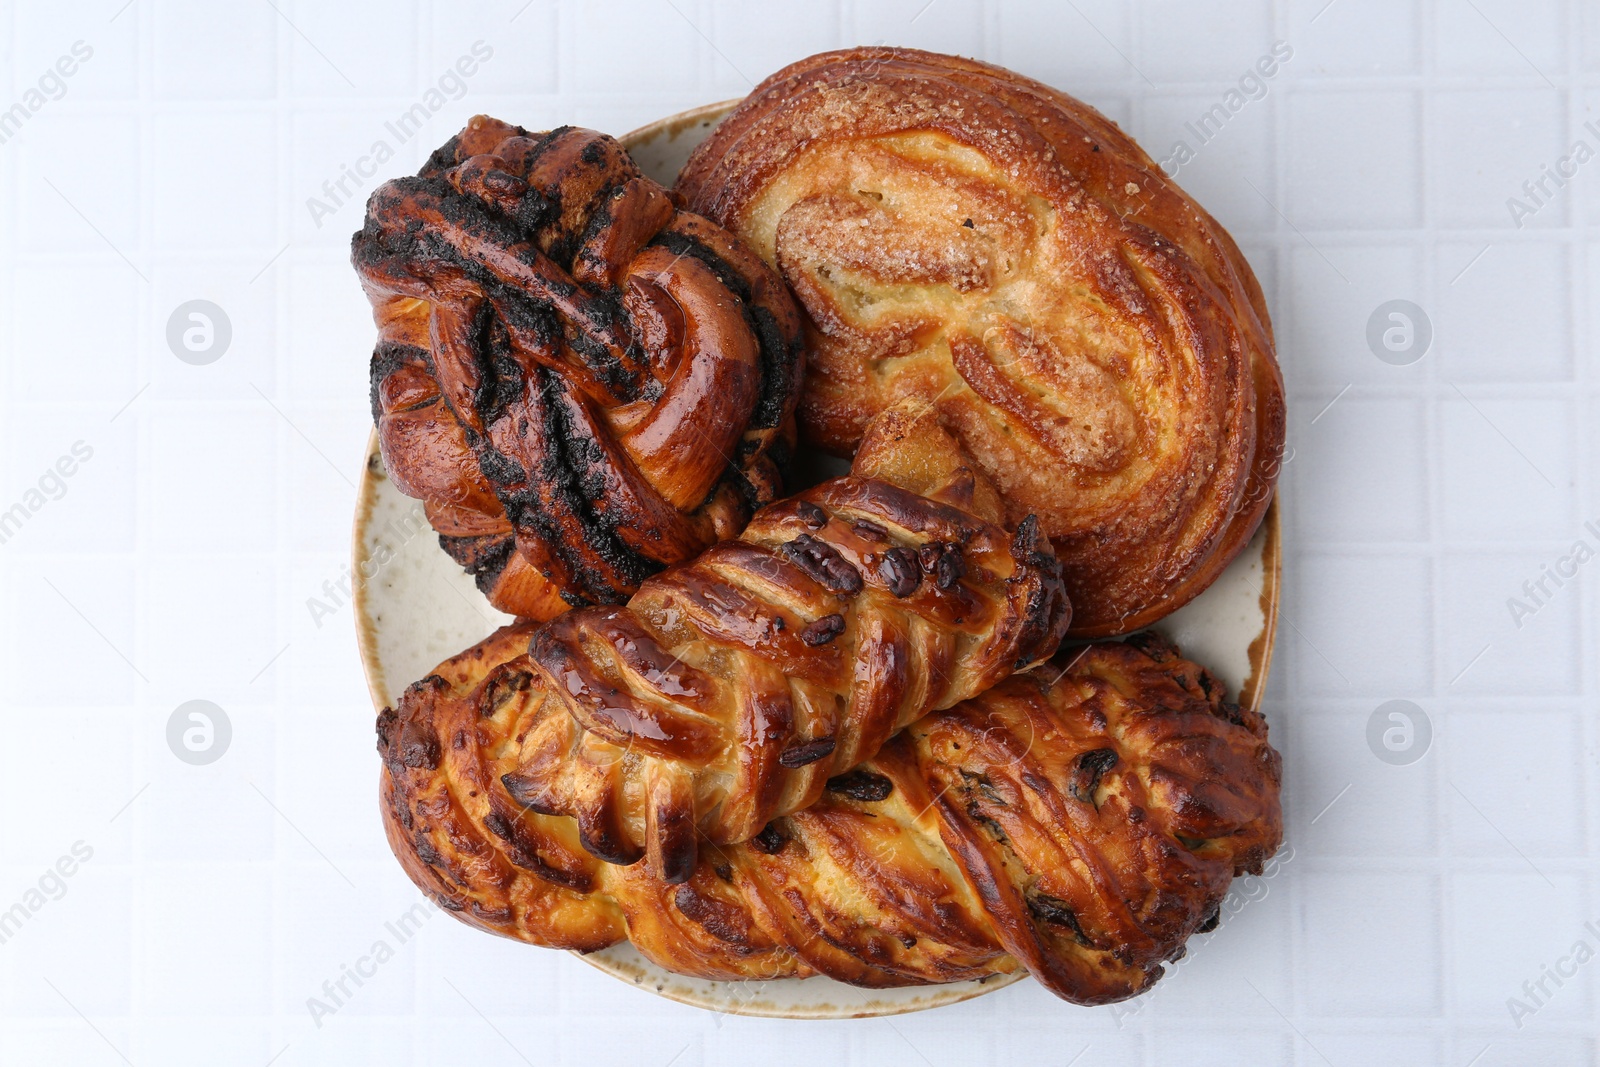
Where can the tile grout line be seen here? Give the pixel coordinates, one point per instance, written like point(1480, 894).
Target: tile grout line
point(1443, 922)
point(1581, 255)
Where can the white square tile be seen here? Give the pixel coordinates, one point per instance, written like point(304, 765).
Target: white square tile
point(337, 159)
point(220, 965)
point(1504, 468)
point(1591, 352)
point(1225, 164)
point(1353, 160)
point(1061, 45)
point(1586, 116)
point(1501, 36)
point(1361, 624)
point(1477, 343)
point(1211, 39)
point(331, 334)
point(105, 735)
point(447, 947)
point(74, 474)
point(1393, 1046)
point(517, 54)
point(227, 663)
point(350, 49)
point(1591, 37)
point(1354, 37)
point(1494, 952)
point(229, 460)
point(197, 1042)
point(499, 1043)
point(1039, 1044)
point(1502, 634)
point(1359, 471)
point(1393, 966)
point(946, 26)
point(764, 40)
point(926, 1038)
point(354, 952)
point(1251, 947)
point(1344, 801)
point(323, 467)
point(346, 1039)
point(1323, 342)
point(81, 940)
point(105, 65)
point(584, 992)
point(65, 206)
point(630, 60)
point(329, 752)
point(1509, 772)
point(1484, 146)
point(63, 353)
point(204, 51)
point(212, 813)
point(64, 1041)
point(316, 674)
point(1525, 1047)
point(246, 295)
point(1225, 1048)
point(68, 622)
point(310, 525)
point(203, 198)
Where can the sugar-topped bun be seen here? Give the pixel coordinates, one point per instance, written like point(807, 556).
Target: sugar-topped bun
point(959, 233)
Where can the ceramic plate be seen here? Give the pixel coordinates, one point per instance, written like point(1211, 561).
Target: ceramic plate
point(419, 609)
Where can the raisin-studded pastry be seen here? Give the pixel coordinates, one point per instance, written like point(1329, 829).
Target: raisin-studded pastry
point(732, 687)
point(1080, 821)
point(962, 234)
point(581, 382)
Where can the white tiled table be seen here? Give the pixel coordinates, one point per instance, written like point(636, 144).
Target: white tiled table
point(177, 561)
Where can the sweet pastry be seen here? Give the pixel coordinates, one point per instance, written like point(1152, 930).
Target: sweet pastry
point(1080, 821)
point(732, 687)
point(962, 234)
point(581, 382)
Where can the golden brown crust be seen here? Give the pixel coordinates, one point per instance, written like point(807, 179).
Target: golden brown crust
point(732, 687)
point(582, 382)
point(1079, 821)
point(962, 234)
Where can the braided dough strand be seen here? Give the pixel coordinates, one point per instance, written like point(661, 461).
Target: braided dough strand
point(730, 688)
point(1079, 821)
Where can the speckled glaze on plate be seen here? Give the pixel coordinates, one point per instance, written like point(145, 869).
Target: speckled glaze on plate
point(415, 608)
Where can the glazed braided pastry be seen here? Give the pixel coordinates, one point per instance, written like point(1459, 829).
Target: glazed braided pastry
point(1079, 821)
point(958, 233)
point(730, 688)
point(582, 382)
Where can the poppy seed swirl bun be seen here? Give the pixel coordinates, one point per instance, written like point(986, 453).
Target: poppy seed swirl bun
point(961, 234)
point(581, 382)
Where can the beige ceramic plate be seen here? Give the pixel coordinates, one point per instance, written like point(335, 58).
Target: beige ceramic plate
point(416, 608)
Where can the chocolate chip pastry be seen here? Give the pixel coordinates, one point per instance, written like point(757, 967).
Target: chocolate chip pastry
point(1079, 821)
point(729, 689)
